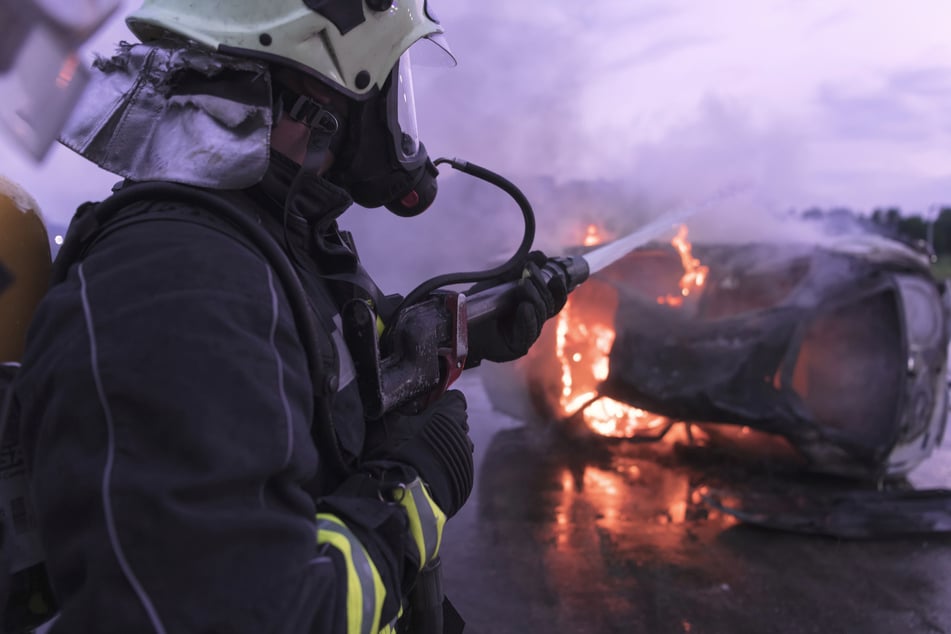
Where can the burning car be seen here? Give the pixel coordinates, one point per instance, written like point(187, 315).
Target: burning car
point(837, 347)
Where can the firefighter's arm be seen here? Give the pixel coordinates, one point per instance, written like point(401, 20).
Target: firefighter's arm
point(364, 592)
point(385, 523)
point(378, 551)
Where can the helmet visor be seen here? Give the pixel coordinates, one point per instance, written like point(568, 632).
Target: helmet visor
point(432, 50)
point(403, 124)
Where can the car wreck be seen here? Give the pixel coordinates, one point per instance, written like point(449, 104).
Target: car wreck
point(837, 348)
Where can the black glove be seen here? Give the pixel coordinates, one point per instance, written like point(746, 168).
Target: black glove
point(512, 333)
point(435, 444)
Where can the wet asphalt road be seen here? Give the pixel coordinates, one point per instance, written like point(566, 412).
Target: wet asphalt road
point(568, 536)
point(565, 535)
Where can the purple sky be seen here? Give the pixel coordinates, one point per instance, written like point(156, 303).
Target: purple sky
point(819, 102)
point(813, 102)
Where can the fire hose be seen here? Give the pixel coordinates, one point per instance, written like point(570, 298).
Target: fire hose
point(424, 348)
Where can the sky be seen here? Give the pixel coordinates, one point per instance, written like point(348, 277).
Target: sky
point(818, 102)
point(658, 104)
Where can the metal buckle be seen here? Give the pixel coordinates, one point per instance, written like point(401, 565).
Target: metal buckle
point(312, 113)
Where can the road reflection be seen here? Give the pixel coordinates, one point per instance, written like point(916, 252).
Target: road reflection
point(573, 534)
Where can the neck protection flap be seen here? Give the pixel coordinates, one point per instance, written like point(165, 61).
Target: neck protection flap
point(174, 113)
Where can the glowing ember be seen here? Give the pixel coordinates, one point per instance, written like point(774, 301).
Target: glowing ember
point(612, 418)
point(695, 274)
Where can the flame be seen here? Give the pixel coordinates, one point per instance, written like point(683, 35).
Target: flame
point(582, 348)
point(695, 274)
point(583, 341)
point(593, 236)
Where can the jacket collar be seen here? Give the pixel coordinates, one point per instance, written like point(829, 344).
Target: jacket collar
point(316, 201)
point(315, 205)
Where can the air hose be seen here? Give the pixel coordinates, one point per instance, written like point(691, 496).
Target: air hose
point(511, 268)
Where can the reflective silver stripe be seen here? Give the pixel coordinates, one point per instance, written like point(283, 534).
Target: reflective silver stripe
point(346, 370)
point(279, 362)
point(124, 565)
point(358, 560)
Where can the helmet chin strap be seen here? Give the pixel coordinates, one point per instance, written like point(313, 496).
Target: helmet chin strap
point(320, 121)
point(323, 126)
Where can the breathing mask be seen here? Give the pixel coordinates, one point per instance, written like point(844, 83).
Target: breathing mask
point(383, 162)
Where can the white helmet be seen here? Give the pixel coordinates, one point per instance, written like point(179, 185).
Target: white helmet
point(358, 47)
point(351, 44)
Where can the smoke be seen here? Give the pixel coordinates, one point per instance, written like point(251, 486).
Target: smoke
point(613, 114)
point(474, 226)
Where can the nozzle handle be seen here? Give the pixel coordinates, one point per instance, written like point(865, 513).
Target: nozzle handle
point(489, 302)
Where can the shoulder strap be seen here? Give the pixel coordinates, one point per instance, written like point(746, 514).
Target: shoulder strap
point(91, 218)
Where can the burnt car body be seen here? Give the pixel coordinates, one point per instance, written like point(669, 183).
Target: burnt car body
point(840, 347)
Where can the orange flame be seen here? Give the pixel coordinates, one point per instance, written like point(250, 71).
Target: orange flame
point(583, 341)
point(593, 236)
point(695, 274)
point(582, 348)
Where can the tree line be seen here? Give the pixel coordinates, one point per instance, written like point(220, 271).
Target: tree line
point(931, 230)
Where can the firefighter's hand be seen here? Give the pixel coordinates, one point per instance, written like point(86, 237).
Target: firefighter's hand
point(435, 444)
point(510, 336)
point(435, 472)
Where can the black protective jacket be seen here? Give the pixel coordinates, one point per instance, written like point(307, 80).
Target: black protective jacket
point(167, 411)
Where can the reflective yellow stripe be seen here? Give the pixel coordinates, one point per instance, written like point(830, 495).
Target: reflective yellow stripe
point(390, 628)
point(365, 590)
point(426, 519)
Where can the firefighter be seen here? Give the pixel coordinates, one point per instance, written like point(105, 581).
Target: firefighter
point(198, 453)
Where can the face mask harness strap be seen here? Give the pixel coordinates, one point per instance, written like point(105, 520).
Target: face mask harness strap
point(323, 125)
